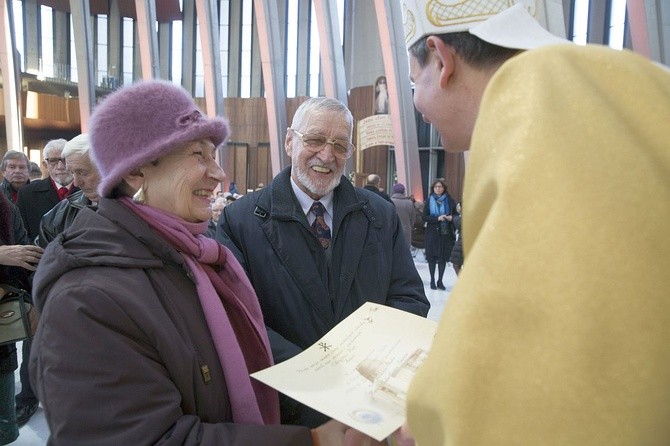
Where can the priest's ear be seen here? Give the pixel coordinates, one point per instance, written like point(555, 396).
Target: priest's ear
point(443, 56)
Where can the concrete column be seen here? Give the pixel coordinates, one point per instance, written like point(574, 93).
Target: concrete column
point(401, 105)
point(164, 47)
point(555, 19)
point(32, 24)
point(61, 45)
point(211, 56)
point(302, 77)
point(332, 59)
point(256, 70)
point(188, 47)
point(11, 81)
point(208, 19)
point(115, 43)
point(234, 48)
point(598, 30)
point(148, 38)
point(361, 42)
point(272, 60)
point(83, 43)
point(659, 11)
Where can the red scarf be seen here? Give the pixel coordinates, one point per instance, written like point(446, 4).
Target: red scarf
point(231, 309)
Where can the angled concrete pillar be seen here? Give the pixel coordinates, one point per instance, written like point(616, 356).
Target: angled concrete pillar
point(164, 46)
point(148, 38)
point(11, 82)
point(31, 35)
point(188, 47)
point(302, 75)
point(211, 56)
point(649, 23)
point(114, 44)
point(332, 59)
point(256, 67)
point(208, 20)
point(234, 48)
point(598, 17)
point(61, 49)
point(401, 105)
point(83, 44)
point(272, 61)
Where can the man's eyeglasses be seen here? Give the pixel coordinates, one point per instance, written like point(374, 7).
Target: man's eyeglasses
point(314, 143)
point(54, 161)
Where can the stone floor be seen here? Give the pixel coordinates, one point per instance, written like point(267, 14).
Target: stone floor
point(36, 432)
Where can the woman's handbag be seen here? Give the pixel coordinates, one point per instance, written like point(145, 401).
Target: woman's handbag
point(18, 317)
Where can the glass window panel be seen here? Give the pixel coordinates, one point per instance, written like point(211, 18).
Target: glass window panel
point(617, 24)
point(291, 45)
point(128, 43)
point(177, 45)
point(245, 54)
point(580, 22)
point(47, 61)
point(74, 76)
point(314, 55)
point(101, 35)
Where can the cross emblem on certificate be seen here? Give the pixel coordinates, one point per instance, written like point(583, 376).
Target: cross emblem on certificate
point(325, 347)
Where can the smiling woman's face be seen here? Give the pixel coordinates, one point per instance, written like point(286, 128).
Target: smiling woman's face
point(182, 181)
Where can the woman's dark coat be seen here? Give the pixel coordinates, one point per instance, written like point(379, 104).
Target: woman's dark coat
point(123, 354)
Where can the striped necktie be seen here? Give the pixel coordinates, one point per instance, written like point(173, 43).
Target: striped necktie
point(319, 227)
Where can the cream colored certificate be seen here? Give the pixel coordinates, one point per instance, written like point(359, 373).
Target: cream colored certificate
point(359, 372)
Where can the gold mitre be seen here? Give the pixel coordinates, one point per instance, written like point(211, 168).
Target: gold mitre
point(507, 23)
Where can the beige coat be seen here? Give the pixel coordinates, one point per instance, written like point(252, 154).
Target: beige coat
point(558, 330)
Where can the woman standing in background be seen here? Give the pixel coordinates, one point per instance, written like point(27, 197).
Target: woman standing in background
point(438, 213)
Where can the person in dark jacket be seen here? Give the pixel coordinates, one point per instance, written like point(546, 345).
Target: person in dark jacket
point(40, 196)
point(372, 184)
point(315, 247)
point(217, 208)
point(149, 330)
point(17, 257)
point(15, 170)
point(34, 200)
point(35, 171)
point(85, 177)
point(438, 213)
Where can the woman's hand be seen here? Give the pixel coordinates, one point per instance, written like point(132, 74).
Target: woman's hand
point(24, 256)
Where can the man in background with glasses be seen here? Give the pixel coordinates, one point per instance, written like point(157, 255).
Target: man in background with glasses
point(314, 246)
point(34, 200)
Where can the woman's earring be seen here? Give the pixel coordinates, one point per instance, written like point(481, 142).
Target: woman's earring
point(139, 197)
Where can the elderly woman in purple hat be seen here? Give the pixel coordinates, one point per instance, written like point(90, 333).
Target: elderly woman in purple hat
point(148, 329)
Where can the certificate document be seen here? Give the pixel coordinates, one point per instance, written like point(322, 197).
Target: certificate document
point(359, 372)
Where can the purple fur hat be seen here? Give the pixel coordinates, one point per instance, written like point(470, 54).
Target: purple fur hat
point(398, 188)
point(143, 122)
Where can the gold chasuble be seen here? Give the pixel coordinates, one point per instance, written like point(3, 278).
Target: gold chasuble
point(558, 329)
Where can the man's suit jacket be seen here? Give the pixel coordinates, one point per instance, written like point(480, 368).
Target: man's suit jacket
point(36, 199)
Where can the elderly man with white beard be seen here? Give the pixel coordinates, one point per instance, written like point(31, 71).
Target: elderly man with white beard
point(314, 246)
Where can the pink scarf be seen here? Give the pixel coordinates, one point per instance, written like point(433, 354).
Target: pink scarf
point(231, 309)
